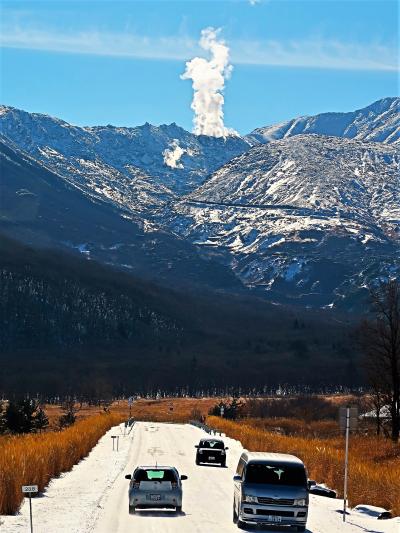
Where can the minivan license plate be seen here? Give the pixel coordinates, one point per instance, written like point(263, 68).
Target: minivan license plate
point(272, 518)
point(155, 497)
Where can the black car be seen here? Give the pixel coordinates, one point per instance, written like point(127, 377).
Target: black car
point(211, 451)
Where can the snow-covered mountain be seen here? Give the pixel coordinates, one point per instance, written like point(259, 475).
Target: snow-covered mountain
point(310, 218)
point(332, 176)
point(379, 122)
point(293, 213)
point(174, 158)
point(43, 209)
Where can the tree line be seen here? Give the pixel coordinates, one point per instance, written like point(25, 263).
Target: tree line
point(27, 415)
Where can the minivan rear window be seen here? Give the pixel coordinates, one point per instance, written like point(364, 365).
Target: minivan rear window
point(276, 474)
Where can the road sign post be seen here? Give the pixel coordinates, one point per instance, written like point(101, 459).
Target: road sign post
point(115, 445)
point(30, 489)
point(348, 419)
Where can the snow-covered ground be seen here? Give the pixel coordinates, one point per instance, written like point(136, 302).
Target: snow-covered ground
point(93, 496)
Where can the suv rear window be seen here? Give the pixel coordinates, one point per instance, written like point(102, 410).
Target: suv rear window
point(157, 474)
point(276, 474)
point(216, 444)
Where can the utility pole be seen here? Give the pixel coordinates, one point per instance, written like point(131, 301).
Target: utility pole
point(346, 462)
point(348, 420)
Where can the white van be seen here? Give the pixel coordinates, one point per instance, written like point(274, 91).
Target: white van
point(270, 489)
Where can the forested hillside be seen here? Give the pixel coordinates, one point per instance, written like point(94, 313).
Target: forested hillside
point(79, 324)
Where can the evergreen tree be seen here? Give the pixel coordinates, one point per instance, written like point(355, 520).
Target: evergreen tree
point(20, 415)
point(41, 420)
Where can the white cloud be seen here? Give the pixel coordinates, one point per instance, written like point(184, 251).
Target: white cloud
point(173, 154)
point(99, 43)
point(311, 52)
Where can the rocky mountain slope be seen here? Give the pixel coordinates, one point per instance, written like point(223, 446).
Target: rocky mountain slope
point(43, 209)
point(378, 122)
point(312, 219)
point(288, 211)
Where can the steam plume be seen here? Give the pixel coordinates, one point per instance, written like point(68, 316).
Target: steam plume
point(208, 78)
point(173, 154)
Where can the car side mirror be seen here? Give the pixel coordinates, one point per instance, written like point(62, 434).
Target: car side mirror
point(196, 446)
point(226, 447)
point(183, 478)
point(128, 476)
point(236, 477)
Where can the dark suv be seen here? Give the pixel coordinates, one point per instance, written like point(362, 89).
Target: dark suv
point(211, 451)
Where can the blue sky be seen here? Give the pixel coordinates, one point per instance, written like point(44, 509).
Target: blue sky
point(120, 62)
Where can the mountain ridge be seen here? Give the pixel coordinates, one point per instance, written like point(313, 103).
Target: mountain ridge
point(379, 122)
point(141, 147)
point(274, 215)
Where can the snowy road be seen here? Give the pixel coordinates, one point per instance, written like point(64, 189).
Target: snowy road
point(93, 497)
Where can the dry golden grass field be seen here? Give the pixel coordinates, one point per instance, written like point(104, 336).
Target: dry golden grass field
point(374, 462)
point(171, 410)
point(37, 458)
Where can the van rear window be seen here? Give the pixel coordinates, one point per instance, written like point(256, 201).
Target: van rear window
point(276, 474)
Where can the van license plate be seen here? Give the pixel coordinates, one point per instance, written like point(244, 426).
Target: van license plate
point(155, 497)
point(272, 518)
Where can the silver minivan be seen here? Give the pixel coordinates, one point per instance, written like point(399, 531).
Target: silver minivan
point(270, 489)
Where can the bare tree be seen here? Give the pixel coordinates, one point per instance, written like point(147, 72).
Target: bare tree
point(379, 397)
point(381, 343)
point(70, 410)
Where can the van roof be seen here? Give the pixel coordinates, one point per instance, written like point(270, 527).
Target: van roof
point(270, 457)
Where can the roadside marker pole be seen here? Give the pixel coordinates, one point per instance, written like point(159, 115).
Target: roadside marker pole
point(30, 511)
point(130, 402)
point(346, 463)
point(113, 441)
point(30, 489)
